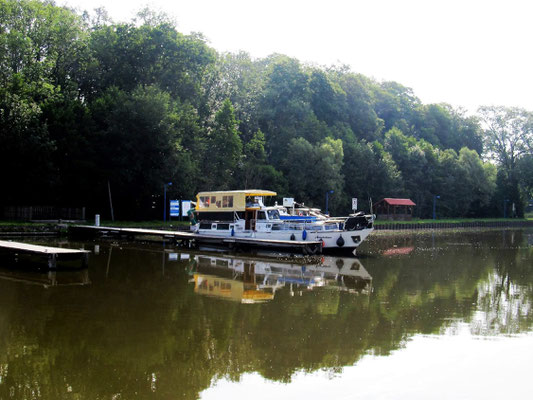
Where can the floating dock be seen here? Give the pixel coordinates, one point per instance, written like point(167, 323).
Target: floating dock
point(50, 254)
point(189, 239)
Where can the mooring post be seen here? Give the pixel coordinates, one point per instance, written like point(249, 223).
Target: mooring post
point(85, 260)
point(52, 261)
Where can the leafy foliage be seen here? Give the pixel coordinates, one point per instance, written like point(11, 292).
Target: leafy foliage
point(85, 102)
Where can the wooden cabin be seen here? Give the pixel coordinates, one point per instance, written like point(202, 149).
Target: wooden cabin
point(394, 209)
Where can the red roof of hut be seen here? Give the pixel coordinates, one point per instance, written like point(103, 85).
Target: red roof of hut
point(398, 202)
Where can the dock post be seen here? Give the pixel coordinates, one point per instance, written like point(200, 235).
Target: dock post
point(85, 260)
point(52, 261)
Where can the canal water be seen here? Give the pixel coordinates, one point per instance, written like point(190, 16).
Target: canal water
point(414, 316)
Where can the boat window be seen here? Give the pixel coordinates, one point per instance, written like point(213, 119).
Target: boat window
point(330, 227)
point(204, 201)
point(213, 199)
point(221, 227)
point(261, 215)
point(205, 225)
point(273, 214)
point(227, 201)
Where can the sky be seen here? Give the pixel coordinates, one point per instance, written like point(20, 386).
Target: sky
point(467, 53)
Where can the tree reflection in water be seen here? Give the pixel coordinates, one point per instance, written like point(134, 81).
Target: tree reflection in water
point(141, 326)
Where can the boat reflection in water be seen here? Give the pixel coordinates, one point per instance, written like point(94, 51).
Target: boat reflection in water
point(256, 280)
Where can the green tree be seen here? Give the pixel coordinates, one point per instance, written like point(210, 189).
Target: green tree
point(256, 173)
point(284, 105)
point(479, 183)
point(127, 56)
point(41, 49)
point(448, 128)
point(358, 110)
point(508, 136)
point(370, 172)
point(525, 170)
point(309, 164)
point(224, 151)
point(237, 78)
point(139, 149)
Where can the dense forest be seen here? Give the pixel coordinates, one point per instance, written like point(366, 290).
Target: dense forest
point(89, 106)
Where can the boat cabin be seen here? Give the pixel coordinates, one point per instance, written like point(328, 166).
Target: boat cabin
point(228, 206)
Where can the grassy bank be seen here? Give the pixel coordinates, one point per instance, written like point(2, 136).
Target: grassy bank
point(454, 220)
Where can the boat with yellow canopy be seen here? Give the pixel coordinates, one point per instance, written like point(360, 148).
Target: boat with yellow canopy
point(243, 213)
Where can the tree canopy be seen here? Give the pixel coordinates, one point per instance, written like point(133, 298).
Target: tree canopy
point(87, 104)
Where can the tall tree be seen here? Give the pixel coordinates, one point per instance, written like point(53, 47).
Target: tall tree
point(508, 136)
point(41, 51)
point(224, 151)
point(137, 141)
point(478, 185)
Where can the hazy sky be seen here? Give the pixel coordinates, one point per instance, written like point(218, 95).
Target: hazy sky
point(464, 52)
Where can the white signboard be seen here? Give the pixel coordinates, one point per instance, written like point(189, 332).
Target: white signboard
point(185, 207)
point(288, 201)
point(354, 203)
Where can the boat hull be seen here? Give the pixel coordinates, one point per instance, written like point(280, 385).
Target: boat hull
point(331, 239)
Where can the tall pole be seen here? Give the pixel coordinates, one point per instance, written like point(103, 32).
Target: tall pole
point(165, 200)
point(110, 201)
point(435, 206)
point(327, 199)
point(505, 208)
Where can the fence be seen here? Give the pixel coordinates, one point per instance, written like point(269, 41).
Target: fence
point(30, 213)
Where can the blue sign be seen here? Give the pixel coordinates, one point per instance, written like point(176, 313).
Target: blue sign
point(174, 208)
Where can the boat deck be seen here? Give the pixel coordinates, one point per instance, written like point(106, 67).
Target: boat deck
point(190, 239)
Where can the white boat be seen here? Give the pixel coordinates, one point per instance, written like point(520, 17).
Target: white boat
point(242, 214)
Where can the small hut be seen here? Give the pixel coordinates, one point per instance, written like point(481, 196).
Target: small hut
point(395, 209)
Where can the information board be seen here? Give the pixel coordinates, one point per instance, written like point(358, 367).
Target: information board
point(185, 207)
point(174, 208)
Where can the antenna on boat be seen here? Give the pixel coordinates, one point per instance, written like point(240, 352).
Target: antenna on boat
point(371, 210)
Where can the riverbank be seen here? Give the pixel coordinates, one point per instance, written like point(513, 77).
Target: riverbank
point(453, 224)
point(57, 228)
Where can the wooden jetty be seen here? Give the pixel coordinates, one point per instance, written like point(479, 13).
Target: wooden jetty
point(189, 239)
point(50, 254)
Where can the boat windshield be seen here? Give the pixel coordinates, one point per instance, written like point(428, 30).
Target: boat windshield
point(273, 214)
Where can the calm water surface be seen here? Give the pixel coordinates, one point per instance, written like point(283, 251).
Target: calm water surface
point(415, 316)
